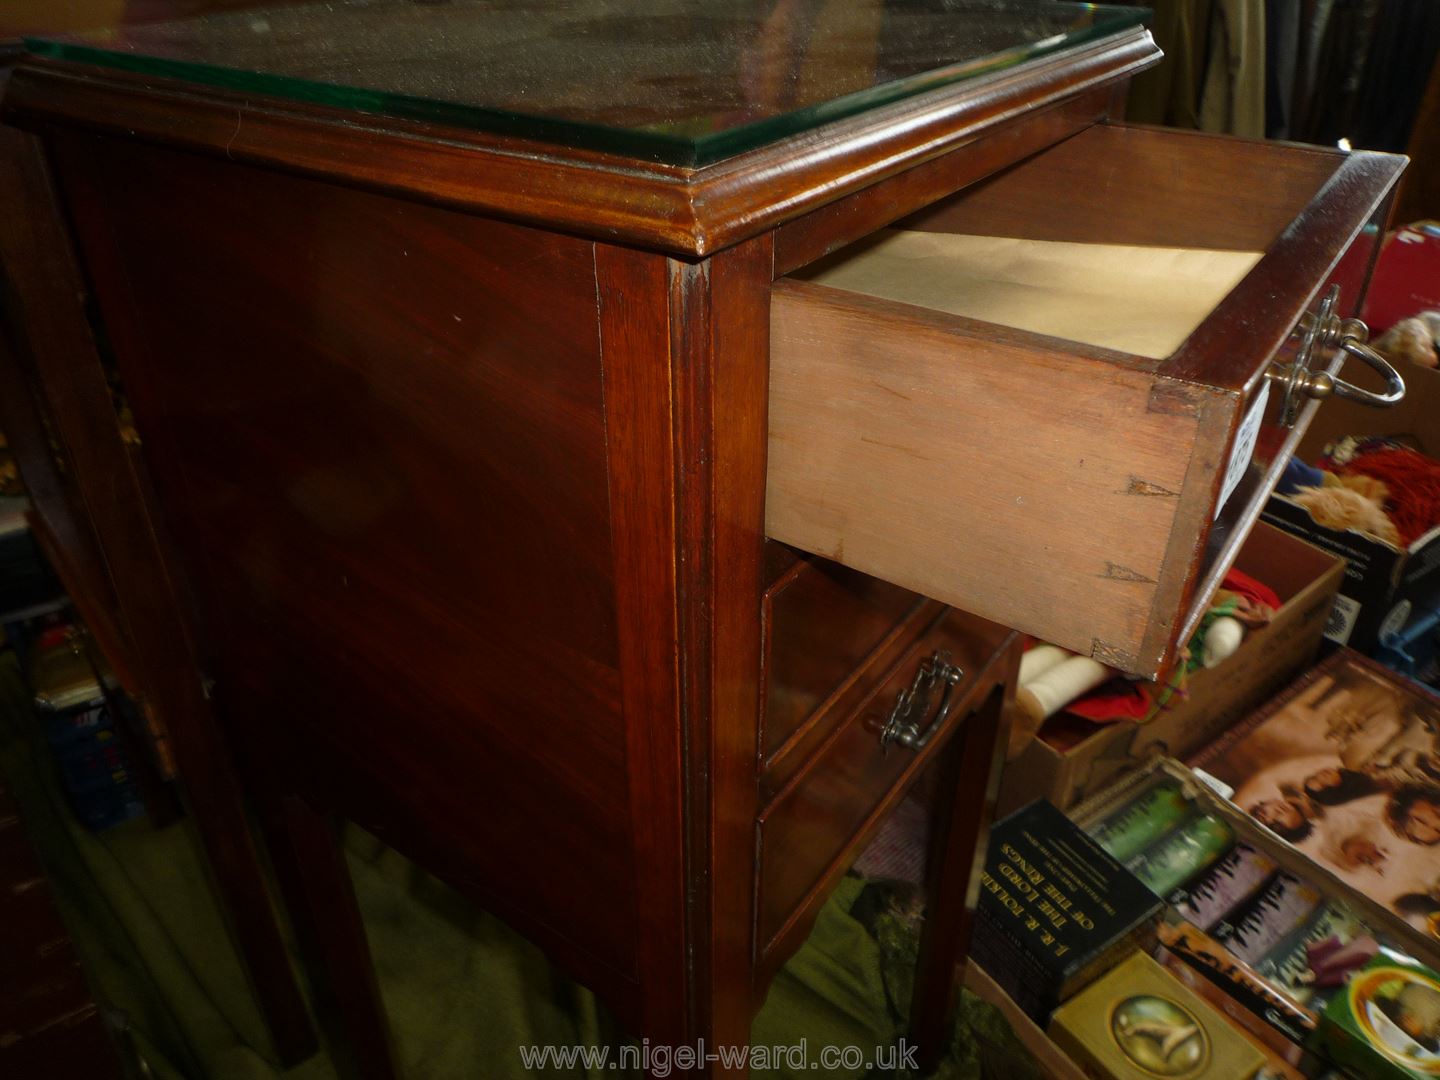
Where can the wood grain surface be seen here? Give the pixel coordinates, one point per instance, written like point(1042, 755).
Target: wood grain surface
point(846, 220)
point(376, 429)
point(683, 211)
point(815, 828)
point(822, 623)
point(466, 449)
point(996, 469)
point(969, 786)
point(1142, 185)
point(961, 462)
point(52, 1024)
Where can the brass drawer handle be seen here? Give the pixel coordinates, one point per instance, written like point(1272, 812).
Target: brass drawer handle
point(1326, 330)
point(903, 724)
point(1353, 342)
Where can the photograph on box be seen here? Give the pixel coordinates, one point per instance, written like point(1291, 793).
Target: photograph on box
point(1247, 928)
point(1345, 766)
point(1400, 1010)
point(1387, 1022)
point(1139, 1021)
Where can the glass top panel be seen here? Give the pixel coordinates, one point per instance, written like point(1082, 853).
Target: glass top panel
point(683, 81)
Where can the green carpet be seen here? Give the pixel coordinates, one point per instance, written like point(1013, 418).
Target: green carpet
point(463, 991)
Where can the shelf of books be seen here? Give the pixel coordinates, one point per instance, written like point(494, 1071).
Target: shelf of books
point(1268, 907)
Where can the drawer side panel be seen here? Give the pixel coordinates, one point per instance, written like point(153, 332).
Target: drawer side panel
point(1032, 487)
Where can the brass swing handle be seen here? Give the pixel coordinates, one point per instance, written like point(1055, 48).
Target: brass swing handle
point(1353, 334)
point(1324, 329)
point(903, 724)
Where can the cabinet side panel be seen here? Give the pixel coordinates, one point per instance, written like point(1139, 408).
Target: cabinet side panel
point(375, 430)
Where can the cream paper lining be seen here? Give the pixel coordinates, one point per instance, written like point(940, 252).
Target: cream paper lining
point(1140, 300)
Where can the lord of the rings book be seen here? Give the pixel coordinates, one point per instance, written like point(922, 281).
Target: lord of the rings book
point(1055, 911)
point(1385, 1024)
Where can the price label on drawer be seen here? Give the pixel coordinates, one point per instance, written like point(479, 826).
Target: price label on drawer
point(1244, 448)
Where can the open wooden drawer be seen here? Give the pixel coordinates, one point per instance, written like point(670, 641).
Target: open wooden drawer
point(1022, 403)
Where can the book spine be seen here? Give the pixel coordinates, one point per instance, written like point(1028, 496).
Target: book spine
point(1184, 854)
point(1237, 878)
point(1014, 968)
point(1285, 905)
point(1151, 815)
point(1287, 965)
point(1239, 981)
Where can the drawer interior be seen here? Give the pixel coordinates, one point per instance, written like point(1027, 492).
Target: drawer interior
point(1124, 239)
point(1117, 184)
point(1141, 301)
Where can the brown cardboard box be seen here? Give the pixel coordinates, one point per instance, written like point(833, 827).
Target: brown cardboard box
point(1306, 580)
point(1385, 587)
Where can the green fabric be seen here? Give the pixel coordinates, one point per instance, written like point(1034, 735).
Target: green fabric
point(462, 990)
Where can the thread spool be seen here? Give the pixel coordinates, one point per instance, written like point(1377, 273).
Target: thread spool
point(1037, 661)
point(1062, 684)
point(1221, 640)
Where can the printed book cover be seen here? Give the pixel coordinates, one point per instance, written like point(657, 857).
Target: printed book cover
point(1386, 1022)
point(1345, 766)
point(1054, 908)
point(1140, 1022)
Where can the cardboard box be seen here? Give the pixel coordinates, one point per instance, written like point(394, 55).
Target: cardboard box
point(1376, 914)
point(1306, 580)
point(1275, 1025)
point(1386, 588)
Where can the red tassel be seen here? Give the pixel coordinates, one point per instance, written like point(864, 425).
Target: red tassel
point(1414, 483)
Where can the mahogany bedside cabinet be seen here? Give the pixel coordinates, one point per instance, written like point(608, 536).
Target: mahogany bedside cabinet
point(477, 348)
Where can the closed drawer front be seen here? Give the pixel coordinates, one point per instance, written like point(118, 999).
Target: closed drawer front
point(1045, 400)
point(823, 623)
point(812, 829)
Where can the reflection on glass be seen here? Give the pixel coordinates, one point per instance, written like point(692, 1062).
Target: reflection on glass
point(683, 81)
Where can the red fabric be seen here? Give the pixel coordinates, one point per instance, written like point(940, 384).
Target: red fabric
point(1124, 699)
point(1118, 699)
point(1237, 581)
point(1414, 483)
point(52, 636)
